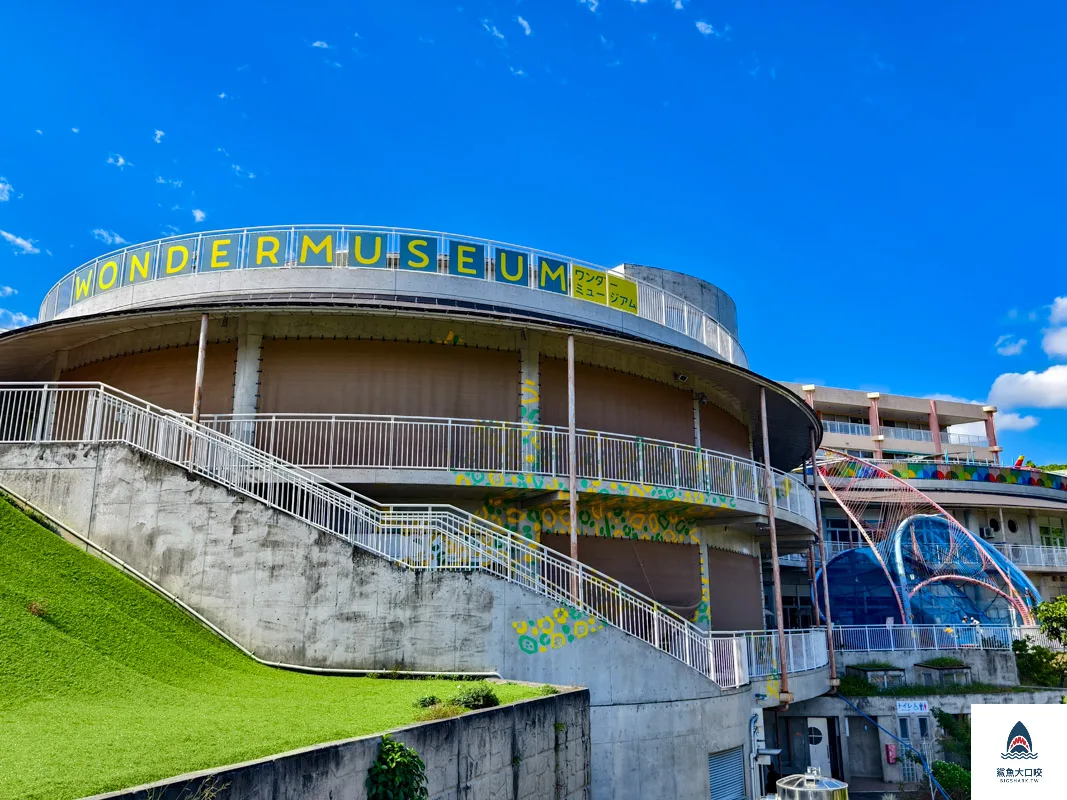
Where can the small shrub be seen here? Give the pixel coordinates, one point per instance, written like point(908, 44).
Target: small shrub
point(547, 690)
point(476, 695)
point(942, 662)
point(875, 665)
point(855, 686)
point(1038, 666)
point(397, 773)
point(953, 778)
point(439, 711)
point(427, 700)
point(37, 609)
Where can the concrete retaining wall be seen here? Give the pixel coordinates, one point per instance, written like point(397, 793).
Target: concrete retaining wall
point(995, 667)
point(296, 595)
point(530, 750)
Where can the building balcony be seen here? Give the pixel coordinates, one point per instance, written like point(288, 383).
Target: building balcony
point(906, 434)
point(1035, 557)
point(965, 439)
point(846, 428)
point(514, 455)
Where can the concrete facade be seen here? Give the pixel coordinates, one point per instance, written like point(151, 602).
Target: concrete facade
point(526, 751)
point(996, 667)
point(295, 595)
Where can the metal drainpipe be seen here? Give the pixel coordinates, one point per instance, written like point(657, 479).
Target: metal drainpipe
point(201, 353)
point(822, 554)
point(785, 697)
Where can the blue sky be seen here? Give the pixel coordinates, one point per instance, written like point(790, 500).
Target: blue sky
point(879, 186)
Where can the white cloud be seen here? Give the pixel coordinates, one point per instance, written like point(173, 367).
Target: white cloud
point(5, 190)
point(118, 161)
point(1031, 389)
point(9, 320)
point(38, 131)
point(525, 25)
point(158, 136)
point(222, 95)
point(679, 5)
point(707, 29)
point(517, 72)
point(107, 237)
point(199, 215)
point(1054, 342)
point(7, 291)
point(592, 4)
point(1008, 345)
point(25, 246)
point(221, 150)
point(492, 30)
point(1010, 421)
point(75, 130)
point(1059, 311)
point(177, 184)
point(320, 44)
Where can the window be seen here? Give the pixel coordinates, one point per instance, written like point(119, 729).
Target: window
point(1051, 530)
point(994, 523)
point(814, 736)
point(924, 728)
point(1013, 527)
point(904, 734)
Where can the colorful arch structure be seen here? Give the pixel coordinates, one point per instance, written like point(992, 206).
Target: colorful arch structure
point(919, 565)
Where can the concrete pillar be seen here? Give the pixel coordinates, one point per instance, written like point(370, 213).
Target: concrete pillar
point(1035, 532)
point(876, 424)
point(809, 393)
point(246, 375)
point(935, 427)
point(530, 401)
point(696, 420)
point(991, 432)
point(705, 584)
point(59, 364)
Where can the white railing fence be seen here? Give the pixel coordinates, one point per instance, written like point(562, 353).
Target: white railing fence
point(805, 650)
point(879, 638)
point(1030, 555)
point(366, 441)
point(417, 536)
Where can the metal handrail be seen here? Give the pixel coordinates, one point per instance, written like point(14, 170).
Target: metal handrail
point(417, 536)
point(804, 650)
point(964, 438)
point(847, 428)
point(1033, 555)
point(880, 638)
point(654, 304)
point(372, 441)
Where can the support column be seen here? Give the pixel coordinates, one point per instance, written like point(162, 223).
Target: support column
point(822, 555)
point(809, 393)
point(530, 401)
point(991, 432)
point(201, 356)
point(246, 374)
point(876, 424)
point(572, 466)
point(935, 428)
point(776, 573)
point(696, 420)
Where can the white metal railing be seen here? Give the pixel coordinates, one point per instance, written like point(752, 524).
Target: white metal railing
point(805, 650)
point(847, 428)
point(964, 438)
point(416, 536)
point(832, 549)
point(653, 303)
point(878, 638)
point(1030, 555)
point(365, 441)
point(906, 434)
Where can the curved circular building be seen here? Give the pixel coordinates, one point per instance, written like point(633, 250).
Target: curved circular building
point(420, 368)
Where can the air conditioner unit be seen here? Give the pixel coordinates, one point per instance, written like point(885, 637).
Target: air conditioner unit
point(985, 533)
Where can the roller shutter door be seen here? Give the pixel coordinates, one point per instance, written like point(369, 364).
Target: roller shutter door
point(726, 774)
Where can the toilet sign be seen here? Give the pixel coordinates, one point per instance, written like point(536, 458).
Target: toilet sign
point(913, 707)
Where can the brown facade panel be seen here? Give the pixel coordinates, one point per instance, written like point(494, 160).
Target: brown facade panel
point(722, 431)
point(316, 376)
point(166, 377)
point(734, 591)
point(616, 402)
point(668, 573)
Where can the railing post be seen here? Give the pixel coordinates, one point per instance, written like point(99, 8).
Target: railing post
point(333, 439)
point(655, 626)
point(640, 461)
point(599, 457)
point(448, 446)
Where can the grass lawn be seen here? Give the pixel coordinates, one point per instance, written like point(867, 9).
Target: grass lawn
point(112, 686)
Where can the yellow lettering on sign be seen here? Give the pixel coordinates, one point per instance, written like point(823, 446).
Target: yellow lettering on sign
point(590, 284)
point(503, 265)
point(357, 250)
point(462, 258)
point(559, 273)
point(622, 294)
point(326, 244)
point(83, 286)
point(177, 248)
point(217, 254)
point(424, 260)
point(262, 252)
point(141, 268)
point(107, 283)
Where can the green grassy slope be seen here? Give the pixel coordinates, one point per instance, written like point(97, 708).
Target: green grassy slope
point(113, 686)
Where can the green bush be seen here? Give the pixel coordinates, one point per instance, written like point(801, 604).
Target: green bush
point(942, 662)
point(427, 700)
point(953, 778)
point(397, 774)
point(548, 690)
point(476, 695)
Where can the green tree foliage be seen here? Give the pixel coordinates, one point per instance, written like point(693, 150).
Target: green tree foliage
point(1039, 666)
point(397, 774)
point(955, 736)
point(1052, 617)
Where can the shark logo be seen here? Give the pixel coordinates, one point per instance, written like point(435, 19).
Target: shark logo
point(1019, 743)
